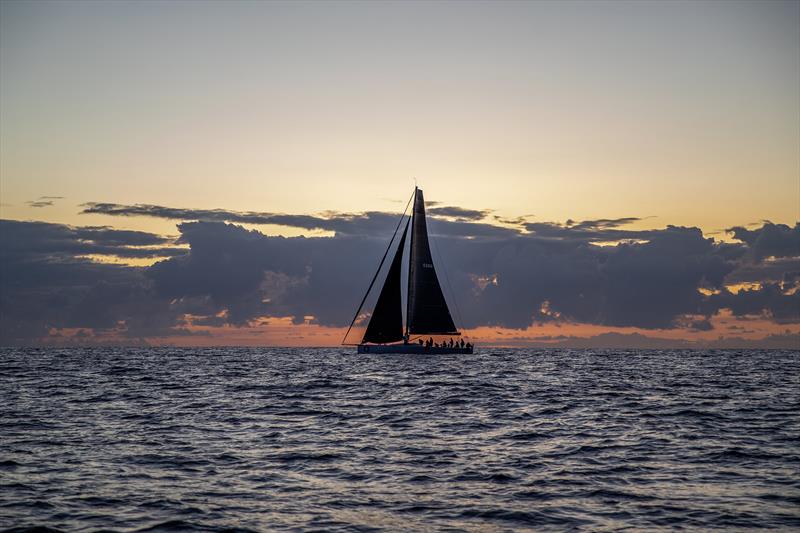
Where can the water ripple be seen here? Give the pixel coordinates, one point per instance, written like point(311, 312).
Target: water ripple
point(258, 439)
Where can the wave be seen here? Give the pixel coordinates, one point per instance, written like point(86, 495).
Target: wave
point(257, 439)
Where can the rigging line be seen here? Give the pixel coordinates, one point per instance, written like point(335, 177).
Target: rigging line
point(447, 279)
point(371, 283)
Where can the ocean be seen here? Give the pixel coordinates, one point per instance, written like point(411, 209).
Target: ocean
point(149, 439)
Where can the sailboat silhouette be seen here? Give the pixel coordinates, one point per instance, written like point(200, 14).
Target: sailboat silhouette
point(427, 314)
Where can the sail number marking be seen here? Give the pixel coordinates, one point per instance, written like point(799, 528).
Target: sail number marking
point(427, 265)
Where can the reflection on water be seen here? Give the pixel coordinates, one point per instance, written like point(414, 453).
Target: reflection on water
point(254, 439)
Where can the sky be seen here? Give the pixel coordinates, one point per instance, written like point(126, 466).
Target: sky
point(572, 136)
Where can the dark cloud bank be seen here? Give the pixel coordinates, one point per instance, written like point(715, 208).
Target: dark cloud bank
point(504, 276)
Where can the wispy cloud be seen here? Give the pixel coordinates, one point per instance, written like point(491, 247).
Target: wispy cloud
point(44, 201)
point(459, 213)
point(370, 223)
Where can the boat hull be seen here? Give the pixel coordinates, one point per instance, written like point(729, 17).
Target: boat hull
point(410, 349)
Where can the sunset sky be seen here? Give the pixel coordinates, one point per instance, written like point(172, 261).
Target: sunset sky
point(571, 136)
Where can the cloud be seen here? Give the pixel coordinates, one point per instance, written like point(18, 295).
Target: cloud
point(464, 222)
point(45, 282)
point(651, 284)
point(600, 230)
point(38, 295)
point(43, 201)
point(458, 213)
point(781, 301)
point(344, 223)
point(45, 239)
point(774, 270)
point(370, 223)
point(770, 240)
point(601, 223)
point(250, 274)
point(701, 325)
point(492, 276)
point(643, 284)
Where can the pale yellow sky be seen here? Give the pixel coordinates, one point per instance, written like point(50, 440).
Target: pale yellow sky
point(684, 112)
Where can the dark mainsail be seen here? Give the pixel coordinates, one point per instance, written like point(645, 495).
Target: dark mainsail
point(386, 323)
point(427, 312)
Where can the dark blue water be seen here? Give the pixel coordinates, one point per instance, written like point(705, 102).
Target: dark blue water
point(271, 439)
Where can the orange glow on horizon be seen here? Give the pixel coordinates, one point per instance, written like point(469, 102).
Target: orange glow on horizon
point(282, 332)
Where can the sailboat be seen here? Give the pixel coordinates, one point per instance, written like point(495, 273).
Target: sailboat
point(427, 314)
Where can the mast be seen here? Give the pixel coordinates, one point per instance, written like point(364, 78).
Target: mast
point(411, 263)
